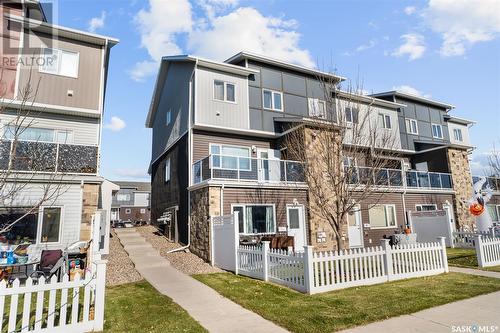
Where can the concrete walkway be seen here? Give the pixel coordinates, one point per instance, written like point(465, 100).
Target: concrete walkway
point(480, 311)
point(210, 309)
point(472, 271)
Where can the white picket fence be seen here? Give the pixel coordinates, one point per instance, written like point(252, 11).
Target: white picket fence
point(71, 306)
point(487, 251)
point(465, 239)
point(314, 272)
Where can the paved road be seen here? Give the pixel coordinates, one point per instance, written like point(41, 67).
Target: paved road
point(214, 312)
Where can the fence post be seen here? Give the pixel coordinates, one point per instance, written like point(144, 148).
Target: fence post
point(100, 290)
point(492, 232)
point(387, 259)
point(265, 260)
point(308, 268)
point(236, 241)
point(479, 250)
point(444, 257)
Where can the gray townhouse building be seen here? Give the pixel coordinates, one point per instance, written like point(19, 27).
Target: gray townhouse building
point(131, 202)
point(51, 138)
point(217, 130)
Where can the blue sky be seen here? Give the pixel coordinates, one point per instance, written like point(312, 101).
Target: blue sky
point(442, 49)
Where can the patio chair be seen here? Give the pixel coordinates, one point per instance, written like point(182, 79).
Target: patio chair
point(51, 263)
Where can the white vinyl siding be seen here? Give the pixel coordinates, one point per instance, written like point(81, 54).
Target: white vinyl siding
point(382, 216)
point(411, 126)
point(272, 100)
point(437, 131)
point(60, 62)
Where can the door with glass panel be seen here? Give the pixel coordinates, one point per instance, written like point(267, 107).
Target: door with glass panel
point(296, 226)
point(355, 231)
point(269, 165)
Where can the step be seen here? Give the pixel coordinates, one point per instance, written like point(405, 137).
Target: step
point(124, 230)
point(133, 241)
point(138, 247)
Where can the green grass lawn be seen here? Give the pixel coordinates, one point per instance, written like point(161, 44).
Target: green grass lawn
point(337, 310)
point(466, 258)
point(138, 307)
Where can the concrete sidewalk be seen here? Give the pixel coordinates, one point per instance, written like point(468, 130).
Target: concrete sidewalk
point(472, 271)
point(210, 309)
point(481, 311)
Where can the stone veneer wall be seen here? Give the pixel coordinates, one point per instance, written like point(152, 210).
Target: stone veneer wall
point(458, 163)
point(89, 206)
point(205, 202)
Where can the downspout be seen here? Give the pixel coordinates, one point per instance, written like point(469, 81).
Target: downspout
point(190, 154)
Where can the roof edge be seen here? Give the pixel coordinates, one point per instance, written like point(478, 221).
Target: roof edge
point(414, 97)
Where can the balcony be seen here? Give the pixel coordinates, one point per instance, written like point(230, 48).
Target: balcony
point(46, 157)
point(492, 182)
point(246, 169)
point(394, 178)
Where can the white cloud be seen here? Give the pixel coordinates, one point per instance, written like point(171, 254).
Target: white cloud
point(409, 10)
point(410, 90)
point(97, 22)
point(372, 43)
point(463, 23)
point(116, 124)
point(413, 46)
point(220, 31)
point(131, 173)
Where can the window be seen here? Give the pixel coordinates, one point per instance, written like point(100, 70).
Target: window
point(169, 117)
point(51, 224)
point(224, 91)
point(382, 216)
point(349, 161)
point(143, 210)
point(457, 134)
point(59, 62)
point(411, 126)
point(317, 108)
point(425, 207)
point(494, 212)
point(437, 131)
point(230, 157)
point(273, 100)
point(128, 211)
point(385, 120)
point(351, 115)
point(24, 231)
point(123, 197)
point(167, 169)
point(256, 219)
point(37, 134)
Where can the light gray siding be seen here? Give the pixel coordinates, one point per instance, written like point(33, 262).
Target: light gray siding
point(85, 130)
point(174, 98)
point(465, 134)
point(210, 111)
point(141, 199)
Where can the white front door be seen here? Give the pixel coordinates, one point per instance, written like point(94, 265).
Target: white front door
point(355, 230)
point(296, 226)
point(269, 164)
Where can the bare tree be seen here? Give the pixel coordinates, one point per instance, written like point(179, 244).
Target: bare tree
point(494, 162)
point(348, 151)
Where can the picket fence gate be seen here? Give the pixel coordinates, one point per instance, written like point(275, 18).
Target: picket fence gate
point(465, 239)
point(71, 306)
point(487, 250)
point(315, 272)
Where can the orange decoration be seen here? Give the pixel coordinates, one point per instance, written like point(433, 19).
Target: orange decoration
point(476, 209)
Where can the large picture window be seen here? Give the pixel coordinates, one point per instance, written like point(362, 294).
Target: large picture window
point(37, 134)
point(24, 231)
point(256, 219)
point(51, 224)
point(230, 157)
point(382, 216)
point(59, 62)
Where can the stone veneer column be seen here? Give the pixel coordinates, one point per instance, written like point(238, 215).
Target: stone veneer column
point(90, 203)
point(458, 164)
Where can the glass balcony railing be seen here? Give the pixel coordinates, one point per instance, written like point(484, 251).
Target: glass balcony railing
point(432, 180)
point(492, 182)
point(29, 156)
point(247, 169)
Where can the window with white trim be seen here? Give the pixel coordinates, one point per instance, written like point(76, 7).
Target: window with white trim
point(437, 131)
point(256, 219)
point(224, 91)
point(457, 134)
point(272, 100)
point(382, 216)
point(51, 224)
point(167, 169)
point(230, 157)
point(317, 107)
point(425, 207)
point(385, 121)
point(411, 126)
point(349, 161)
point(123, 197)
point(351, 115)
point(59, 62)
point(168, 117)
point(37, 134)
